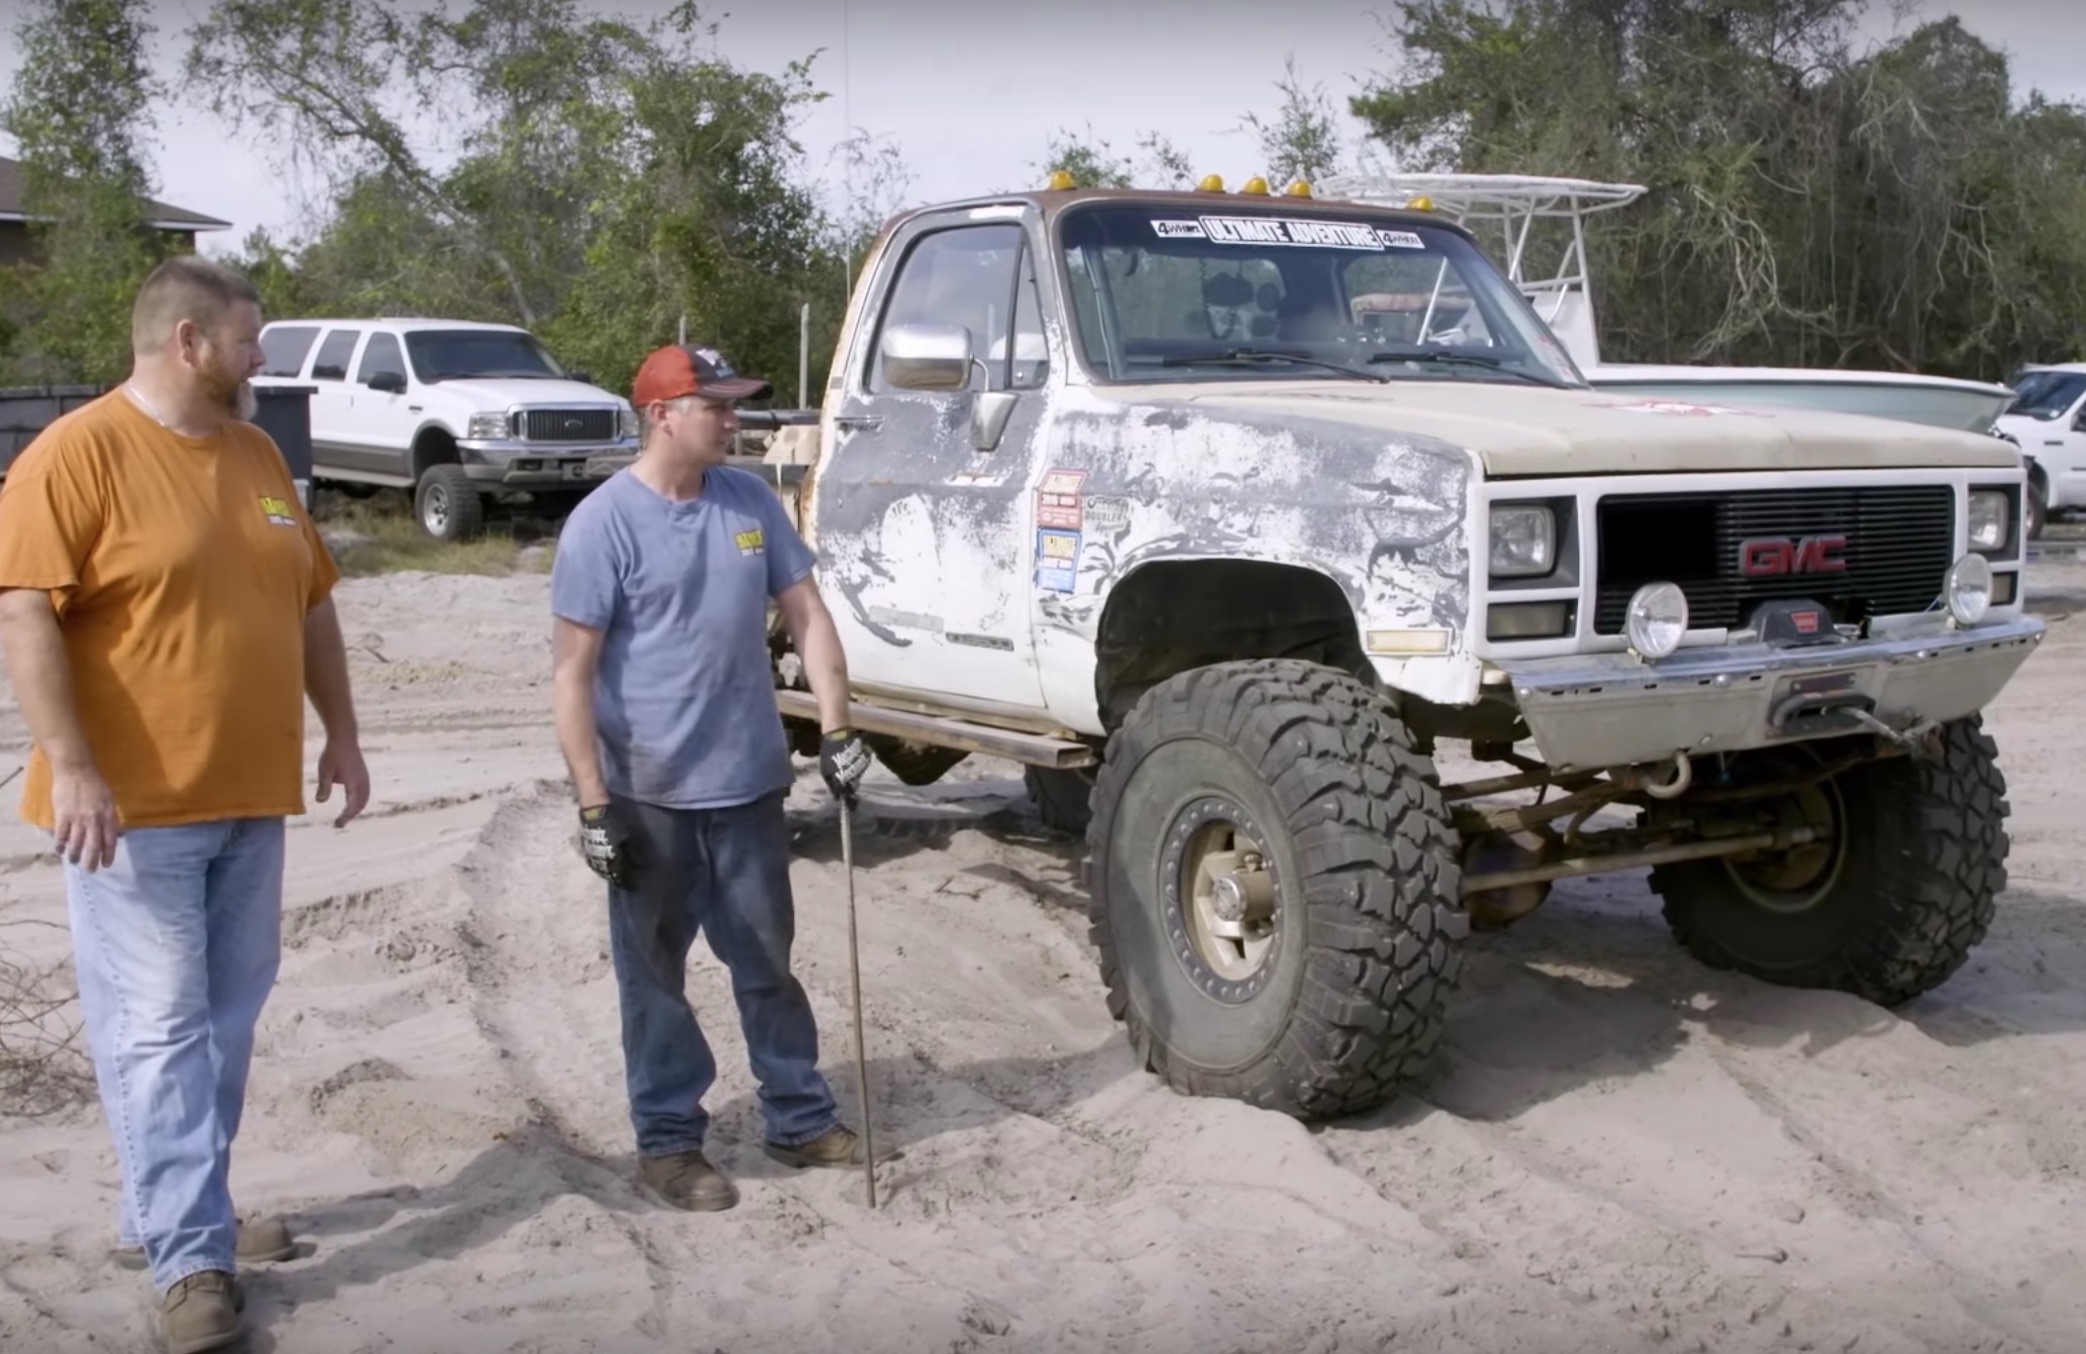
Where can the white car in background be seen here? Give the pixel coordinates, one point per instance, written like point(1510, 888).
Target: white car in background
point(455, 411)
point(2047, 421)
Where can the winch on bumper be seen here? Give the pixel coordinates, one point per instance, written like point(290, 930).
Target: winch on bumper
point(1590, 711)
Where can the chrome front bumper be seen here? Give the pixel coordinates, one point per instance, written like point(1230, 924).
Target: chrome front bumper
point(1611, 709)
point(539, 465)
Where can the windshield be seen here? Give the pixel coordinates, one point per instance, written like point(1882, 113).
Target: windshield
point(454, 354)
point(2046, 394)
point(1293, 290)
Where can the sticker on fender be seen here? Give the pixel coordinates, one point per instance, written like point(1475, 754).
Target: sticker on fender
point(1057, 559)
point(1058, 500)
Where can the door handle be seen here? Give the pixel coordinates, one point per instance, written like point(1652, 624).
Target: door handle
point(858, 420)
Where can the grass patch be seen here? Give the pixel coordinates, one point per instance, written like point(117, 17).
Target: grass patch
point(380, 535)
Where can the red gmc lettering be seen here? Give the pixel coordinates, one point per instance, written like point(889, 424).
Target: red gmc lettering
point(1771, 557)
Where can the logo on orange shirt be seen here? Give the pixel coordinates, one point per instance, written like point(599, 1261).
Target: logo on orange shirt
point(278, 511)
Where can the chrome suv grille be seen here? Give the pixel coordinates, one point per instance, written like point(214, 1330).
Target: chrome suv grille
point(1859, 552)
point(569, 425)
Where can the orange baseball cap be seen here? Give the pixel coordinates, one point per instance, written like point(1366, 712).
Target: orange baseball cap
point(691, 369)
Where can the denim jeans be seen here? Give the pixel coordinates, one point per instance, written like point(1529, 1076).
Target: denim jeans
point(723, 872)
point(176, 946)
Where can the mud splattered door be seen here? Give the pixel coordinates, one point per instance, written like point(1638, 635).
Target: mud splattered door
point(923, 514)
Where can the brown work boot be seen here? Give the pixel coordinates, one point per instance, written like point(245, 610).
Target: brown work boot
point(688, 1180)
point(837, 1146)
point(259, 1242)
point(201, 1312)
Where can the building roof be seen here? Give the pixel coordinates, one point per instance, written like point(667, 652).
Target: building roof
point(158, 215)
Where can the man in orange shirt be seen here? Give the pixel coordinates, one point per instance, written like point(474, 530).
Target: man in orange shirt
point(165, 608)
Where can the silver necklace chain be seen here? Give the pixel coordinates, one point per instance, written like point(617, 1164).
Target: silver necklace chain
point(146, 405)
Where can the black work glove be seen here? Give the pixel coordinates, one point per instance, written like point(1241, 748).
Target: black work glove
point(609, 842)
point(843, 759)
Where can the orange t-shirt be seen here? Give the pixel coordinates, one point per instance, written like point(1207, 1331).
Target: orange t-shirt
point(182, 570)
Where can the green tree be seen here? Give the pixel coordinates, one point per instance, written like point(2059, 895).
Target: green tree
point(1094, 162)
point(1303, 139)
point(1807, 204)
point(613, 174)
point(84, 91)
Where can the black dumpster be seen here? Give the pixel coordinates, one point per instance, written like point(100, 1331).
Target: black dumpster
point(26, 410)
point(283, 412)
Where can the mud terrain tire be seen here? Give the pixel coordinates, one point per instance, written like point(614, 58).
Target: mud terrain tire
point(1921, 858)
point(1346, 1004)
point(1063, 798)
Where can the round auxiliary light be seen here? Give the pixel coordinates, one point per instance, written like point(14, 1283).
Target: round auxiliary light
point(1657, 618)
point(1969, 589)
point(1061, 179)
point(1211, 183)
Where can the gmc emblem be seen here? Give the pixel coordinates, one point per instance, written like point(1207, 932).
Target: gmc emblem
point(1774, 556)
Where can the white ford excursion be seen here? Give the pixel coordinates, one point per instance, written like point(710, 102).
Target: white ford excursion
point(457, 412)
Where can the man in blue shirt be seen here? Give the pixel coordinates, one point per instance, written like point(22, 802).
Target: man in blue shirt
point(666, 716)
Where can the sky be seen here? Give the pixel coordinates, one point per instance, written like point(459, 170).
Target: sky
point(972, 91)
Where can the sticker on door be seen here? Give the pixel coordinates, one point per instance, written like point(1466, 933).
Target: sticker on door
point(1057, 559)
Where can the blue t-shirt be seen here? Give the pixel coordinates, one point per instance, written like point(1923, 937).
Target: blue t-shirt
point(684, 699)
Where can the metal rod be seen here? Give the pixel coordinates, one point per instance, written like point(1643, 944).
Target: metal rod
point(854, 960)
point(1523, 817)
point(1526, 780)
point(803, 354)
point(1027, 748)
point(1630, 860)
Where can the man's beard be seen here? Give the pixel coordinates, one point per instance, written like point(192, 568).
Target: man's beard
point(233, 394)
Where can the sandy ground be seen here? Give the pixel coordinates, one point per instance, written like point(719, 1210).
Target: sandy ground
point(1620, 1150)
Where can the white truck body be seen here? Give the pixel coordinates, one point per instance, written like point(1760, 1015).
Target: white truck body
point(2047, 421)
point(454, 411)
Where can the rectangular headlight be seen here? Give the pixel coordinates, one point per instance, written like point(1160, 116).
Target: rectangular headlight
point(1524, 540)
point(1990, 512)
point(490, 427)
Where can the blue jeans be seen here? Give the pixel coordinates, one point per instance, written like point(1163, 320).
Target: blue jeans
point(724, 872)
point(176, 946)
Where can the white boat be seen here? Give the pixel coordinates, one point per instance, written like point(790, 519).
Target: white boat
point(1505, 207)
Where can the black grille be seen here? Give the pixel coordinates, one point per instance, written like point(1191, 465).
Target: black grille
point(569, 425)
point(1900, 542)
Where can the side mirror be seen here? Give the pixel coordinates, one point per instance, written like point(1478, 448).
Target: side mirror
point(390, 382)
point(927, 356)
point(585, 378)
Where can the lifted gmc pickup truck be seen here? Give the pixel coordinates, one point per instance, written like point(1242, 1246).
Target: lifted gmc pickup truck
point(1225, 512)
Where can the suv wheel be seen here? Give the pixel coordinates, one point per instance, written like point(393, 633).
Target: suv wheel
point(449, 505)
point(1274, 888)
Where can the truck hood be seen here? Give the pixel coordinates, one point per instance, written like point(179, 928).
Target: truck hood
point(483, 394)
point(1526, 430)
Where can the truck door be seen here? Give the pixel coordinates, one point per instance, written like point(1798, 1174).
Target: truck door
point(335, 443)
point(384, 421)
point(922, 511)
